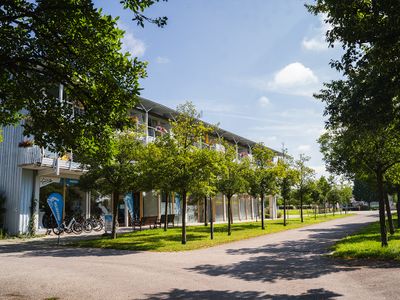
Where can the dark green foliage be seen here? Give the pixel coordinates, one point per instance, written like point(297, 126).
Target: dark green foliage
point(48, 42)
point(364, 190)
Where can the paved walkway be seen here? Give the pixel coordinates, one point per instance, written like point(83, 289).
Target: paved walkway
point(286, 265)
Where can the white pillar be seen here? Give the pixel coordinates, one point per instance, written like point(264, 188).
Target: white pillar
point(224, 205)
point(37, 197)
point(126, 215)
point(272, 207)
point(146, 121)
point(252, 207)
point(87, 202)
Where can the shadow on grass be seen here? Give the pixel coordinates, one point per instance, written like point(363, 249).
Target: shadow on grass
point(225, 295)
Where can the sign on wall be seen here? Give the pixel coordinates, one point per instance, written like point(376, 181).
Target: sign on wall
point(56, 203)
point(48, 180)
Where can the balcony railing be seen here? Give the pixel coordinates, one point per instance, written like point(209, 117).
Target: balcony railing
point(41, 157)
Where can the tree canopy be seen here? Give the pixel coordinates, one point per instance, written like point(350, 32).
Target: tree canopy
point(61, 62)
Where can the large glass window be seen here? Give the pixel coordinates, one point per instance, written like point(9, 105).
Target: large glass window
point(219, 208)
point(163, 201)
point(150, 203)
point(99, 204)
point(74, 198)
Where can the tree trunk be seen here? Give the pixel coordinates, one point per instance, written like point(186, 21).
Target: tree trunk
point(325, 208)
point(315, 212)
point(301, 207)
point(184, 218)
point(211, 220)
point(205, 211)
point(284, 212)
point(398, 208)
point(389, 214)
point(115, 199)
point(166, 212)
point(229, 214)
point(262, 212)
point(333, 209)
point(382, 221)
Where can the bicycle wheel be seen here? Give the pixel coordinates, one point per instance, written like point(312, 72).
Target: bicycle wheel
point(58, 230)
point(77, 228)
point(87, 226)
point(99, 225)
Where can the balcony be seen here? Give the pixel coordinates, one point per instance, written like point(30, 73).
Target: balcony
point(40, 158)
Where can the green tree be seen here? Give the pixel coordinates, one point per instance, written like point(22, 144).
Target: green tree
point(353, 152)
point(346, 194)
point(305, 176)
point(364, 189)
point(265, 174)
point(158, 168)
point(393, 178)
point(231, 178)
point(363, 107)
point(334, 198)
point(116, 172)
point(324, 187)
point(47, 44)
point(287, 177)
point(192, 165)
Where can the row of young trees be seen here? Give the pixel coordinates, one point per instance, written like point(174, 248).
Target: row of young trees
point(180, 162)
point(363, 137)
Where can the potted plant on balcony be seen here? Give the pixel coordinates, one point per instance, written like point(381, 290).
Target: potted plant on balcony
point(26, 143)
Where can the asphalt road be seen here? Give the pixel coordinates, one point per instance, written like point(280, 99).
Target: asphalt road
point(286, 265)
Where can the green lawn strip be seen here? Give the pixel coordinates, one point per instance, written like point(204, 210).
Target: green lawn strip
point(197, 236)
point(366, 244)
point(296, 212)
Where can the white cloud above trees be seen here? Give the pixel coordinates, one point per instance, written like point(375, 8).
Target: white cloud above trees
point(130, 43)
point(293, 79)
point(317, 41)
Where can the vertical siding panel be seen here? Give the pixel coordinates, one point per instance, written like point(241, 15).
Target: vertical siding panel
point(25, 200)
point(10, 175)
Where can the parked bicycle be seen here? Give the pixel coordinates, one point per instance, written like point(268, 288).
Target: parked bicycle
point(97, 223)
point(73, 226)
point(87, 225)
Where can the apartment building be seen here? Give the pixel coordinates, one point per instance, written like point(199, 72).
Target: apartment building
point(29, 172)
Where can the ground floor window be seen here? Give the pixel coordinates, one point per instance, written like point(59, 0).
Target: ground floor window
point(76, 202)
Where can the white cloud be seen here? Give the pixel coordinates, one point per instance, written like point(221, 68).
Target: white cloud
point(293, 79)
point(317, 41)
point(131, 44)
point(264, 101)
point(292, 76)
point(162, 60)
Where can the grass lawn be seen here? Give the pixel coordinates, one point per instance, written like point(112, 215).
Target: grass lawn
point(197, 236)
point(366, 244)
point(291, 212)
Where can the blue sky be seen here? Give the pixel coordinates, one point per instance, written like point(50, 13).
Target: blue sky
point(251, 66)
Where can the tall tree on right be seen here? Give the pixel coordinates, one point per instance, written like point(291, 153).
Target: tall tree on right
point(363, 107)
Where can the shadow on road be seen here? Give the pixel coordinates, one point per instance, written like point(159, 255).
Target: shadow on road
point(43, 249)
point(291, 260)
point(213, 294)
